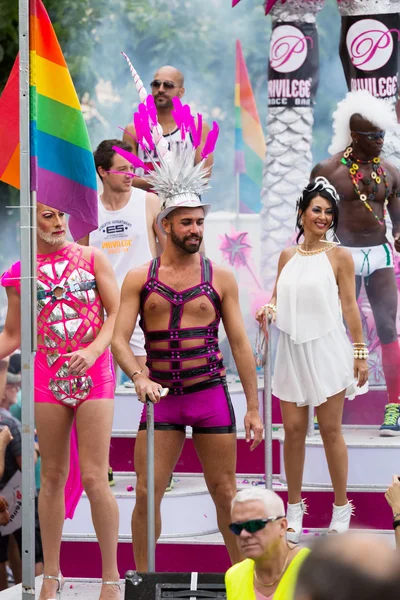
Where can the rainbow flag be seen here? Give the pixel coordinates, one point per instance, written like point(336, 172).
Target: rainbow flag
point(250, 145)
point(62, 165)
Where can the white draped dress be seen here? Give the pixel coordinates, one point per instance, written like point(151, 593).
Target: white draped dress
point(314, 358)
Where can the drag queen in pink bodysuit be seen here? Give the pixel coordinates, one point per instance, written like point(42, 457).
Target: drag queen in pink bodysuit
point(74, 389)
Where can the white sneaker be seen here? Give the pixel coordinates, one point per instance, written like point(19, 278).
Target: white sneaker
point(294, 515)
point(341, 517)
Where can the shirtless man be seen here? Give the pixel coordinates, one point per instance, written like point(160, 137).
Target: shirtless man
point(366, 185)
point(181, 298)
point(127, 232)
point(168, 83)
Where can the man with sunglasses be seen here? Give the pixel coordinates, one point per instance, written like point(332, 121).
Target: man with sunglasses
point(168, 83)
point(271, 563)
point(369, 186)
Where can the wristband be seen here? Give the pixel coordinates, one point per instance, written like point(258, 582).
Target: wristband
point(136, 373)
point(396, 524)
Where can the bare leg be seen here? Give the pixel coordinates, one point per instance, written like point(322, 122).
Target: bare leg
point(53, 424)
point(295, 422)
point(217, 454)
point(3, 577)
point(167, 448)
point(94, 423)
point(330, 426)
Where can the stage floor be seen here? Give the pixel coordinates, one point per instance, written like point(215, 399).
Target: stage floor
point(73, 588)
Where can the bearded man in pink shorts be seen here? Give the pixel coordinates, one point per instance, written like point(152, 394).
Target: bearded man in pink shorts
point(181, 297)
point(74, 386)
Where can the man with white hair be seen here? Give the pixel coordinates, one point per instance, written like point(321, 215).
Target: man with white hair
point(368, 187)
point(271, 563)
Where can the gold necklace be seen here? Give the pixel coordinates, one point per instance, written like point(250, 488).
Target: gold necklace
point(303, 252)
point(276, 580)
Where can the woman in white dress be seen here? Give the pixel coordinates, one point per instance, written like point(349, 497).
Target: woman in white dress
point(316, 364)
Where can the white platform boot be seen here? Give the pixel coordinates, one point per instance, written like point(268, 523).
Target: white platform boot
point(341, 517)
point(294, 517)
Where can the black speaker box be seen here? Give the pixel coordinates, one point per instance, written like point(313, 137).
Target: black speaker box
point(171, 586)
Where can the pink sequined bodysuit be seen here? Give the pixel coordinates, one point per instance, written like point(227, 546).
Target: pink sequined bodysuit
point(70, 316)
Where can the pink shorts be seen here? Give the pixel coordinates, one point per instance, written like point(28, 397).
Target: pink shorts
point(206, 407)
point(53, 384)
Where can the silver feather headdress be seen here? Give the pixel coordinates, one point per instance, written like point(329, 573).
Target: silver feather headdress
point(175, 178)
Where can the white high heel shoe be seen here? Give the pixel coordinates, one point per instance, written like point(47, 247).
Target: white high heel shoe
point(294, 515)
point(60, 585)
point(341, 517)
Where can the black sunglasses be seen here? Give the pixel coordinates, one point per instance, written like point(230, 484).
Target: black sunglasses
point(251, 526)
point(372, 135)
point(168, 85)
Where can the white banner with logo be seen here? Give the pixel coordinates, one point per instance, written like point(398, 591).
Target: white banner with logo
point(369, 53)
point(293, 70)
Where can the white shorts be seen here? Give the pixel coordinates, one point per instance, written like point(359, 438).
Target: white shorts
point(137, 341)
point(369, 260)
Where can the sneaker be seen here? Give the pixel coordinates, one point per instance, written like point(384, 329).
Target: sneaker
point(111, 481)
point(341, 517)
point(391, 422)
point(294, 517)
point(170, 484)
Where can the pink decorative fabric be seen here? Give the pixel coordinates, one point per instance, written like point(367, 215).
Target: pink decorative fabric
point(70, 315)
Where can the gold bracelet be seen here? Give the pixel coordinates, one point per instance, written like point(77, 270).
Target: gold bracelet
point(362, 344)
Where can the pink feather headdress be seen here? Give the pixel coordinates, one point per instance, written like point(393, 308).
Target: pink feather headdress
point(175, 173)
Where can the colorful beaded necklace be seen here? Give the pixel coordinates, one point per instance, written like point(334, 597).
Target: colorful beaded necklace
point(377, 175)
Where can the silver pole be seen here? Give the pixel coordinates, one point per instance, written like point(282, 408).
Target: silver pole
point(28, 316)
point(151, 532)
point(268, 409)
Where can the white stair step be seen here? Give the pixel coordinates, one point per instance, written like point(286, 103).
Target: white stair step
point(372, 459)
point(89, 589)
point(216, 538)
point(186, 510)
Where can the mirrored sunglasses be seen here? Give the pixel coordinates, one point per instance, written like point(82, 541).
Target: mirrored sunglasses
point(372, 135)
point(252, 526)
point(168, 85)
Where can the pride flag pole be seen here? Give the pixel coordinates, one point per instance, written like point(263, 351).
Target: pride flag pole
point(28, 312)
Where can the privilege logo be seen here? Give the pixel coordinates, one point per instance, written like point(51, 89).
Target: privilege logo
point(370, 44)
point(288, 49)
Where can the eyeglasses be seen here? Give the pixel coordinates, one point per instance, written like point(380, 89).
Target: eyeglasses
point(168, 85)
point(372, 135)
point(252, 526)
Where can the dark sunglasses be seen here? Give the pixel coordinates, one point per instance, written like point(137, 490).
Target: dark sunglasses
point(251, 526)
point(168, 85)
point(372, 135)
